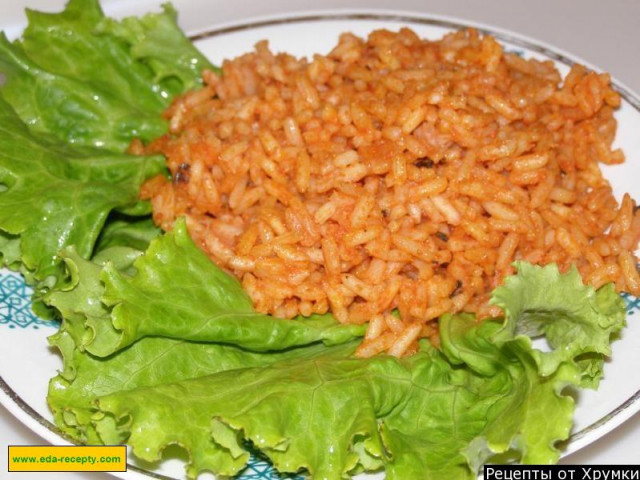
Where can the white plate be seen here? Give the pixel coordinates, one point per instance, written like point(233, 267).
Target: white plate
point(27, 363)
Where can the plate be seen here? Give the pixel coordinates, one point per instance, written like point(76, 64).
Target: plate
point(25, 370)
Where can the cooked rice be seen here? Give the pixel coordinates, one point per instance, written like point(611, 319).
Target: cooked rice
point(396, 174)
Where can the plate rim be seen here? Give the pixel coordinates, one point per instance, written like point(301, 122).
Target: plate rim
point(43, 427)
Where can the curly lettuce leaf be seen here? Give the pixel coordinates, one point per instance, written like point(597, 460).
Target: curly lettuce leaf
point(148, 362)
point(282, 408)
point(78, 300)
point(518, 426)
point(86, 301)
point(93, 81)
point(72, 110)
point(55, 195)
point(575, 319)
point(438, 414)
point(420, 417)
point(156, 40)
point(205, 304)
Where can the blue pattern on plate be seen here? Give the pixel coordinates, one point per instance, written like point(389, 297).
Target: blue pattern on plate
point(633, 303)
point(15, 311)
point(15, 303)
point(259, 469)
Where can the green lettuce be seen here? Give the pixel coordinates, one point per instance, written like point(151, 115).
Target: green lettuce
point(90, 80)
point(55, 195)
point(125, 231)
point(121, 296)
point(219, 312)
point(421, 417)
point(78, 88)
point(574, 318)
point(441, 413)
point(149, 361)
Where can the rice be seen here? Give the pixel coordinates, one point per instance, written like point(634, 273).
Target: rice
point(396, 179)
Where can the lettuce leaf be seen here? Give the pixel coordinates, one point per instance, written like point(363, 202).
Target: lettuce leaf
point(148, 362)
point(93, 81)
point(151, 361)
point(121, 296)
point(438, 414)
point(420, 417)
point(156, 40)
point(206, 305)
point(75, 188)
point(78, 87)
point(126, 231)
point(574, 318)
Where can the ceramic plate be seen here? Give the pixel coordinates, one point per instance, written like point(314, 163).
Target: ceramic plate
point(27, 363)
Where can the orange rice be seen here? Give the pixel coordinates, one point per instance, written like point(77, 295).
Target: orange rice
point(396, 174)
